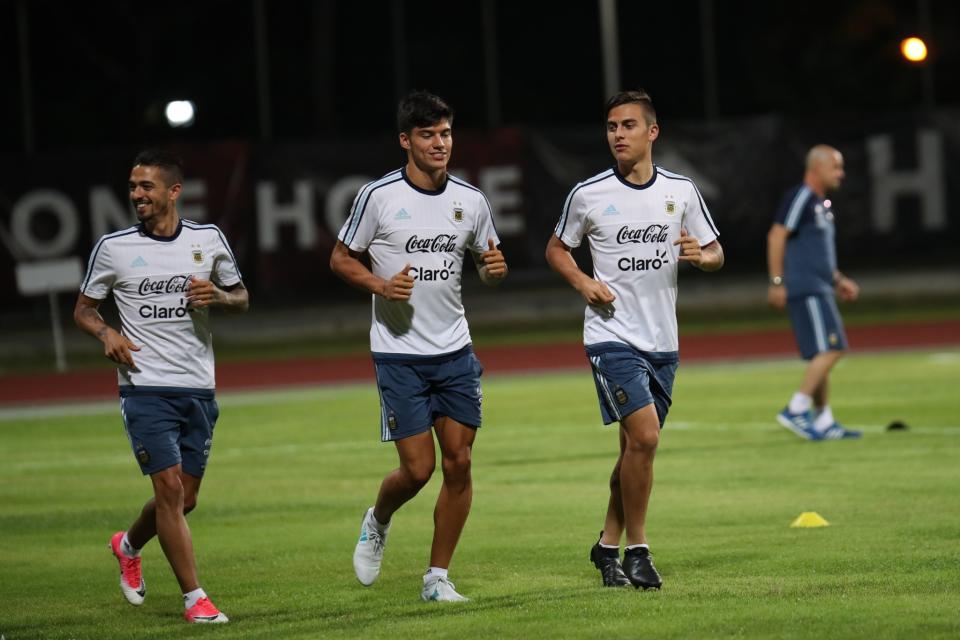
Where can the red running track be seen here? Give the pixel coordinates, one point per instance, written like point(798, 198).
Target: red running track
point(97, 384)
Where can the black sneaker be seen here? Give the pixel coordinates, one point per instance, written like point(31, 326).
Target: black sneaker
point(608, 562)
point(639, 569)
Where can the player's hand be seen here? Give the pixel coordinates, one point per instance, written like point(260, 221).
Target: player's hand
point(117, 347)
point(777, 296)
point(689, 248)
point(847, 289)
point(493, 261)
point(203, 293)
point(400, 286)
point(595, 292)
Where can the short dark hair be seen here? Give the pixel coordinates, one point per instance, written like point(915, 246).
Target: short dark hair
point(169, 162)
point(421, 109)
point(635, 96)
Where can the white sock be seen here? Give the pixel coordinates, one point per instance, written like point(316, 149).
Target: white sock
point(434, 572)
point(824, 420)
point(642, 545)
point(127, 549)
point(799, 403)
point(190, 599)
point(381, 527)
point(609, 546)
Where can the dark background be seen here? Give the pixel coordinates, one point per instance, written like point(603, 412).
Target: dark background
point(100, 72)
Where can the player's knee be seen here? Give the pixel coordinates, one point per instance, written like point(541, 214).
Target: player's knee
point(419, 474)
point(168, 489)
point(644, 442)
point(189, 504)
point(456, 464)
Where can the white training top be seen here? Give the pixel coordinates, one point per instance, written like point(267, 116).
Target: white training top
point(148, 276)
point(398, 224)
point(631, 229)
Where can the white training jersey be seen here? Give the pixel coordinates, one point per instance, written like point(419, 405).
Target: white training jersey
point(148, 276)
point(398, 223)
point(631, 229)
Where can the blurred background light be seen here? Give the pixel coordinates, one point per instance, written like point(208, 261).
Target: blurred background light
point(180, 113)
point(914, 49)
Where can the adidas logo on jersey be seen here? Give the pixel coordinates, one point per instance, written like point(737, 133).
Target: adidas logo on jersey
point(610, 210)
point(139, 262)
point(401, 215)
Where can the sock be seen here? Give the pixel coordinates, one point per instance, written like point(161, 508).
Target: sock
point(128, 549)
point(610, 547)
point(190, 599)
point(799, 403)
point(381, 526)
point(824, 420)
point(434, 572)
point(642, 545)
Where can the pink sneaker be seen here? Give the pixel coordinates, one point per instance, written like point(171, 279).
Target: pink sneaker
point(131, 582)
point(204, 612)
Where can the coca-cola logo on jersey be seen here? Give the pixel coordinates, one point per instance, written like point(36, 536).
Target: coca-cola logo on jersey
point(440, 243)
point(175, 284)
point(643, 235)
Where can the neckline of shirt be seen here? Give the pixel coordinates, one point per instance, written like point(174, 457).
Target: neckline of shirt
point(645, 185)
point(426, 192)
point(176, 234)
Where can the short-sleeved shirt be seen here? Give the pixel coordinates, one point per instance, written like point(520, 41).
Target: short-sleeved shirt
point(811, 254)
point(398, 224)
point(631, 229)
point(148, 276)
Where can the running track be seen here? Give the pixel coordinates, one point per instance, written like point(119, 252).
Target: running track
point(99, 384)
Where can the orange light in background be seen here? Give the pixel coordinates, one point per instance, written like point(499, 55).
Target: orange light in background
point(914, 49)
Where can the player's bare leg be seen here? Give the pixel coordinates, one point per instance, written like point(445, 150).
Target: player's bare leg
point(144, 528)
point(417, 462)
point(642, 431)
point(456, 493)
point(817, 371)
point(171, 526)
point(613, 524)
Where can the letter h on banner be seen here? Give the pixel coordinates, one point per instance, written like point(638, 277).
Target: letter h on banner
point(926, 181)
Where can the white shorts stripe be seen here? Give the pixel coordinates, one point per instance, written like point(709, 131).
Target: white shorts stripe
point(816, 320)
point(606, 387)
point(384, 427)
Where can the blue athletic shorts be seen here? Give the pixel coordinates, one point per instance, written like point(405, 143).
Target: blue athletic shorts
point(628, 379)
point(165, 430)
point(416, 390)
point(816, 324)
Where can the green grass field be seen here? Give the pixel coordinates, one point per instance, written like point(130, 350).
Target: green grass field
point(292, 472)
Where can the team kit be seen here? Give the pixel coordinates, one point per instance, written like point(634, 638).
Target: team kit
point(404, 243)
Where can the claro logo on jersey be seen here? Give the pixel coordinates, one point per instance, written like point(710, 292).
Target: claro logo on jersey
point(440, 243)
point(443, 273)
point(651, 234)
point(174, 284)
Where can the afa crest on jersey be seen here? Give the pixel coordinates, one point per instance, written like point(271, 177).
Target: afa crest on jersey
point(670, 207)
point(197, 254)
point(457, 212)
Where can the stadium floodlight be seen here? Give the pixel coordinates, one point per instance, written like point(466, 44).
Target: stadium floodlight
point(180, 113)
point(914, 49)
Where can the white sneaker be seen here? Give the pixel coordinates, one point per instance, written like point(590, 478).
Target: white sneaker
point(369, 552)
point(440, 589)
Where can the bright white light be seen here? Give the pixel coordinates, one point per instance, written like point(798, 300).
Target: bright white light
point(180, 113)
point(914, 49)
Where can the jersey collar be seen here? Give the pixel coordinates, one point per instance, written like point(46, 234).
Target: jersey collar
point(176, 234)
point(645, 185)
point(426, 192)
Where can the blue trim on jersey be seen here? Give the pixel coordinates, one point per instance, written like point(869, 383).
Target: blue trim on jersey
point(562, 223)
point(426, 192)
point(127, 390)
point(197, 227)
point(414, 358)
point(795, 210)
point(703, 206)
point(638, 187)
point(358, 209)
point(176, 234)
point(96, 250)
point(460, 182)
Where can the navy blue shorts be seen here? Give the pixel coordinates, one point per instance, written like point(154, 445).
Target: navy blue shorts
point(416, 390)
point(816, 324)
point(628, 379)
point(165, 430)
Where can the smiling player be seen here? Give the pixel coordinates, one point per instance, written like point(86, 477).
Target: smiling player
point(165, 274)
point(416, 224)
